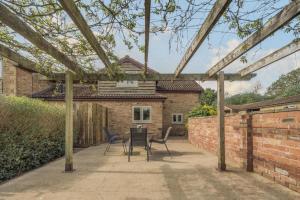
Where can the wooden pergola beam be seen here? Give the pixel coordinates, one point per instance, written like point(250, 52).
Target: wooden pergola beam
point(216, 12)
point(273, 57)
point(70, 7)
point(22, 62)
point(157, 77)
point(14, 22)
point(283, 17)
point(147, 30)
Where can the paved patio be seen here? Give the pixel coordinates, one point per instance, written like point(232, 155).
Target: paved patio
point(190, 174)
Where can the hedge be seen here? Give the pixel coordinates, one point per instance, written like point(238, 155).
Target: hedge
point(202, 111)
point(31, 134)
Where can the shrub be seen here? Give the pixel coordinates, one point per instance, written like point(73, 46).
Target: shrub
point(31, 134)
point(203, 110)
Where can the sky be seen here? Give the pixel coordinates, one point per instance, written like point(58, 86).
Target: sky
point(220, 42)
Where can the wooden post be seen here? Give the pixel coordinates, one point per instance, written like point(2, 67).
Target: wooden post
point(221, 120)
point(249, 143)
point(69, 122)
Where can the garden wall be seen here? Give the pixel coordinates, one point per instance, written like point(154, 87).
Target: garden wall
point(272, 139)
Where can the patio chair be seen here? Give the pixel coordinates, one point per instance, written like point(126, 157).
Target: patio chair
point(113, 138)
point(162, 141)
point(138, 137)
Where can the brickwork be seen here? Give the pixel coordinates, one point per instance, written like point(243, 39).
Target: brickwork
point(270, 140)
point(178, 103)
point(120, 115)
point(9, 77)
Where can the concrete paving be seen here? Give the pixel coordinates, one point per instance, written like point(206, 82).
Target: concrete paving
point(189, 174)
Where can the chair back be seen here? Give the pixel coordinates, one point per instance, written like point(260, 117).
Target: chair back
point(167, 134)
point(107, 134)
point(138, 136)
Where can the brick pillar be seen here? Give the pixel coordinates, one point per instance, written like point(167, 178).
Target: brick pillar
point(246, 127)
point(9, 72)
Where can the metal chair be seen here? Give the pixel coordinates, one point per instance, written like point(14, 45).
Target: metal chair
point(113, 138)
point(138, 137)
point(162, 141)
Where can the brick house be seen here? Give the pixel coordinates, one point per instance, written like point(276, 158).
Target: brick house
point(154, 104)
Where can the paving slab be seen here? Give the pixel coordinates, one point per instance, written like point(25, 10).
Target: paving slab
point(189, 174)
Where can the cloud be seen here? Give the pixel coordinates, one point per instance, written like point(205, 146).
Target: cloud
point(265, 76)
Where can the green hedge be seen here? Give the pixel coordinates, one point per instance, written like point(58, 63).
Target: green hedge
point(31, 134)
point(203, 110)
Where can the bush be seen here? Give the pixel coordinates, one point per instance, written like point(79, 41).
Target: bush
point(31, 134)
point(203, 110)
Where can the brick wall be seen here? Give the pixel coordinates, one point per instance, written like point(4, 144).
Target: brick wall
point(120, 115)
point(20, 82)
point(275, 143)
point(177, 103)
point(9, 77)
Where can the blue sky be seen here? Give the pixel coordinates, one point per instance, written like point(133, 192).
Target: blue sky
point(212, 50)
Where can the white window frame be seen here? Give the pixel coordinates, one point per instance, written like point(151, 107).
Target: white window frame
point(141, 121)
point(127, 84)
point(177, 122)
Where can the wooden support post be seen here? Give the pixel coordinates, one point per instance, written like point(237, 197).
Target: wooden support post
point(221, 123)
point(147, 28)
point(69, 122)
point(249, 143)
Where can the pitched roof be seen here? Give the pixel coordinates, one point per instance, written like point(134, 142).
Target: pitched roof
point(88, 91)
point(179, 86)
point(128, 60)
point(266, 103)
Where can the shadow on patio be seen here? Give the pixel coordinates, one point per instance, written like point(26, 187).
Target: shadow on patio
point(189, 174)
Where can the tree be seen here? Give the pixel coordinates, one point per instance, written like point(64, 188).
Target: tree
point(208, 97)
point(244, 98)
point(119, 20)
point(287, 85)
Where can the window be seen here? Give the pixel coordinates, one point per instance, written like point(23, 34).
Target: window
point(177, 118)
point(127, 84)
point(141, 114)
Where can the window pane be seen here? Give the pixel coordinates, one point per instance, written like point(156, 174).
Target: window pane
point(174, 118)
point(146, 114)
point(179, 118)
point(136, 114)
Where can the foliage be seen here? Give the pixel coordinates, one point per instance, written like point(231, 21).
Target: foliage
point(31, 134)
point(287, 85)
point(120, 20)
point(208, 97)
point(244, 98)
point(203, 110)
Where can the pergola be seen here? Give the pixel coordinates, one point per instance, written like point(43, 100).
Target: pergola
point(75, 71)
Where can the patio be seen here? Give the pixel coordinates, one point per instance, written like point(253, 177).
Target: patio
point(190, 174)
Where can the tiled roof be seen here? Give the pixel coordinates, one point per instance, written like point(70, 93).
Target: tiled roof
point(178, 85)
point(88, 91)
point(266, 103)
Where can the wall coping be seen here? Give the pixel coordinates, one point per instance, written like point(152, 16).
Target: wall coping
point(250, 113)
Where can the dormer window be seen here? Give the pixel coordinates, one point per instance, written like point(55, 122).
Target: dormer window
point(127, 84)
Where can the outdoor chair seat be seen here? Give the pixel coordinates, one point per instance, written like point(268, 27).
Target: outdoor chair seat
point(162, 141)
point(113, 138)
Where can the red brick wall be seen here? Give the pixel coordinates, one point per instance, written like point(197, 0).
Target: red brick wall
point(276, 143)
